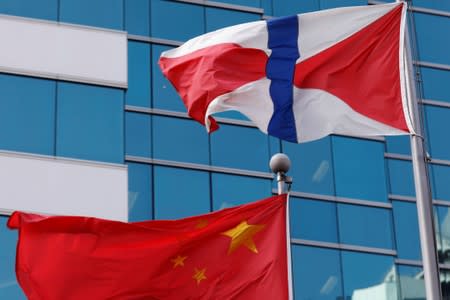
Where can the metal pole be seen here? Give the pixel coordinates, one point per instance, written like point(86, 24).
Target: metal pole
point(280, 164)
point(422, 186)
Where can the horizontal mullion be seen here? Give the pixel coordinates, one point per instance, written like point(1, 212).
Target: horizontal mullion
point(216, 4)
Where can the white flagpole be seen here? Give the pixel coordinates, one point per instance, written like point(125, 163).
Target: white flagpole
point(422, 185)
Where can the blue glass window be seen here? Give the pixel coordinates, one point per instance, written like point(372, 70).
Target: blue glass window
point(433, 44)
point(406, 230)
point(435, 84)
point(39, 9)
point(179, 140)
point(164, 94)
point(138, 92)
point(436, 4)
point(99, 13)
point(27, 114)
point(180, 193)
point(357, 223)
point(267, 6)
point(231, 190)
point(401, 177)
point(438, 122)
point(411, 283)
point(138, 134)
point(139, 192)
point(316, 273)
point(176, 21)
point(443, 228)
point(313, 220)
point(359, 168)
point(240, 147)
point(293, 7)
point(217, 18)
point(9, 288)
point(252, 3)
point(137, 17)
point(327, 4)
point(398, 144)
point(90, 122)
point(440, 176)
point(363, 271)
point(311, 166)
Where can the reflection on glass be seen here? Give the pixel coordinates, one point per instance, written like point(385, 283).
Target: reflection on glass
point(411, 283)
point(443, 231)
point(139, 192)
point(445, 284)
point(369, 276)
point(313, 220)
point(440, 176)
point(316, 273)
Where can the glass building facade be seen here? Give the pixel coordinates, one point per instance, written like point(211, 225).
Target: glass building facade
point(354, 228)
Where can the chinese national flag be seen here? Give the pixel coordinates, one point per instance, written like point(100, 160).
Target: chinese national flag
point(235, 253)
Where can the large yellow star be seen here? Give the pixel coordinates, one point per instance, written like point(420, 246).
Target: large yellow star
point(178, 261)
point(199, 275)
point(243, 234)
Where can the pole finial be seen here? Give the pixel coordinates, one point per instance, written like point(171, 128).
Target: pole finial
point(280, 163)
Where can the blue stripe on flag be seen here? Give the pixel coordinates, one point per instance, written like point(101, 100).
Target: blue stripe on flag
point(283, 36)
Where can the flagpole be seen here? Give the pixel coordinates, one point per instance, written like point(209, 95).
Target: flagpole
point(422, 186)
point(280, 164)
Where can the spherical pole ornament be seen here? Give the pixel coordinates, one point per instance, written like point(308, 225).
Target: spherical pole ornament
point(280, 163)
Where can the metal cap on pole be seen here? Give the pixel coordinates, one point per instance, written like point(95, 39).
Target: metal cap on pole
point(280, 165)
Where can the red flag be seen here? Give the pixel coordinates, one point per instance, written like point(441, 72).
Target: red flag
point(235, 253)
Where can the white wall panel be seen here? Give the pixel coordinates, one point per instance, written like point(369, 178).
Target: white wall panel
point(63, 187)
point(62, 51)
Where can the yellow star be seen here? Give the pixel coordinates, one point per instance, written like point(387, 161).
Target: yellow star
point(199, 275)
point(201, 224)
point(243, 234)
point(178, 261)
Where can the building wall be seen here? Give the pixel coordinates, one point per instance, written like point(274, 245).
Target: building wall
point(353, 212)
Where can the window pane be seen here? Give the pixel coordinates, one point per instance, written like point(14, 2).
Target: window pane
point(231, 190)
point(292, 7)
point(9, 288)
point(311, 166)
point(137, 17)
point(438, 122)
point(369, 276)
point(406, 230)
point(90, 122)
point(189, 20)
point(240, 147)
point(316, 273)
point(357, 223)
point(411, 283)
point(359, 168)
point(440, 176)
point(313, 220)
point(27, 114)
point(398, 144)
point(217, 18)
point(435, 84)
point(401, 177)
point(180, 140)
point(99, 13)
point(164, 94)
point(443, 229)
point(40, 9)
point(138, 134)
point(253, 3)
point(139, 192)
point(440, 5)
point(432, 44)
point(327, 4)
point(445, 284)
point(138, 92)
point(180, 193)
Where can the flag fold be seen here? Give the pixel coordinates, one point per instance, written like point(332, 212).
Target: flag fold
point(235, 253)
